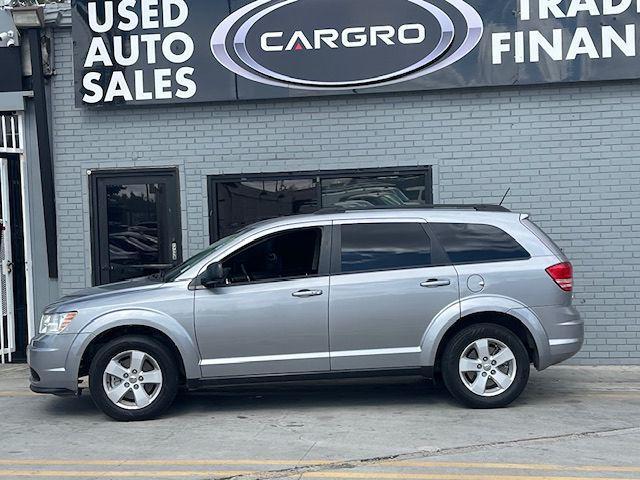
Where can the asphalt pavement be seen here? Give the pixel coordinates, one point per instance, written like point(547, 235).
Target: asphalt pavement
point(571, 423)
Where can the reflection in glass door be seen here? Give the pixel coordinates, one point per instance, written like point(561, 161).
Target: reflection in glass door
point(136, 224)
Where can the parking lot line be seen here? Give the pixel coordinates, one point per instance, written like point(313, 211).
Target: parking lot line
point(334, 474)
point(518, 466)
point(442, 476)
point(123, 473)
point(160, 462)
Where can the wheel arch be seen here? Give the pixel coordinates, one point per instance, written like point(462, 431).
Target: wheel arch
point(503, 311)
point(158, 325)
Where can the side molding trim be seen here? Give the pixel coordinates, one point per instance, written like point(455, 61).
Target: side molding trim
point(311, 355)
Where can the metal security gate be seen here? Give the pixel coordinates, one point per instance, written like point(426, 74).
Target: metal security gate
point(10, 143)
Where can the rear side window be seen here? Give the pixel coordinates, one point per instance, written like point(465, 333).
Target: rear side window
point(477, 243)
point(384, 246)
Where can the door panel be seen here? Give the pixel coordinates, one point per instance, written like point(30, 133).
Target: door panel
point(262, 328)
point(271, 314)
point(390, 281)
point(136, 225)
point(377, 319)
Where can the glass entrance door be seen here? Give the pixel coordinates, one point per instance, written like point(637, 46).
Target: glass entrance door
point(136, 224)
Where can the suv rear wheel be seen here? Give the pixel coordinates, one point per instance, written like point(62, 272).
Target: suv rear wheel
point(133, 378)
point(485, 366)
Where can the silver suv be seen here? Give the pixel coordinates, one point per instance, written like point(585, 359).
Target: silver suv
point(471, 294)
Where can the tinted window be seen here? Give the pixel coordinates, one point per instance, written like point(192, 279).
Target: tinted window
point(242, 202)
point(383, 246)
point(289, 254)
point(473, 243)
point(366, 192)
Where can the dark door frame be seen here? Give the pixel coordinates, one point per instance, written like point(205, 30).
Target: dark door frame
point(214, 180)
point(142, 175)
point(17, 257)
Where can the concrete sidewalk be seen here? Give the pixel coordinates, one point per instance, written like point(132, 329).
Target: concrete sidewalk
point(570, 423)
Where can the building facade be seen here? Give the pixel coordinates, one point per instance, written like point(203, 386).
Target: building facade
point(566, 154)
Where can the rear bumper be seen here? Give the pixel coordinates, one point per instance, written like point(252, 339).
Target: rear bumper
point(565, 333)
point(564, 348)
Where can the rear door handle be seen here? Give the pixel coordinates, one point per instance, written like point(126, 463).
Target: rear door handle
point(434, 282)
point(307, 293)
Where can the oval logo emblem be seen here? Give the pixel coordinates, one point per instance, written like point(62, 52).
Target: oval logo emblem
point(344, 44)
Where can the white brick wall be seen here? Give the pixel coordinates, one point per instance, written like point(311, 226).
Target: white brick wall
point(567, 152)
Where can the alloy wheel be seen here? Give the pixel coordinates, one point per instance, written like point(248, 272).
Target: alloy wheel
point(487, 367)
point(132, 379)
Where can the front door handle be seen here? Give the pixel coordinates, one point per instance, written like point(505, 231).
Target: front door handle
point(434, 282)
point(307, 293)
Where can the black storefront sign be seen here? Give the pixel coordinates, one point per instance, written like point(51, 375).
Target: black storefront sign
point(178, 51)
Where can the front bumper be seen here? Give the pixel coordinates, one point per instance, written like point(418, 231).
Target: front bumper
point(60, 392)
point(52, 369)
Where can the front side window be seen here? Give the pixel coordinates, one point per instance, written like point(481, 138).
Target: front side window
point(477, 243)
point(290, 254)
point(384, 246)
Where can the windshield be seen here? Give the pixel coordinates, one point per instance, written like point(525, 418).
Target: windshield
point(173, 273)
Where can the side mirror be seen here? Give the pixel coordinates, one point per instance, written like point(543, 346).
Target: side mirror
point(213, 275)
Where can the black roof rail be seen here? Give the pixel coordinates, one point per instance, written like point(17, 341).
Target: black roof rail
point(479, 207)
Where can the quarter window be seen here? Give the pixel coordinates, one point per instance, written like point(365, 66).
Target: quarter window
point(477, 243)
point(290, 254)
point(384, 246)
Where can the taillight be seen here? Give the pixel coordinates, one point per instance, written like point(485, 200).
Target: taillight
point(562, 274)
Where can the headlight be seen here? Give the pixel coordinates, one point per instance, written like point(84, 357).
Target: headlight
point(56, 322)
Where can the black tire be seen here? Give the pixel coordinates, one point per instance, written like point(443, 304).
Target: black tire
point(456, 346)
point(166, 362)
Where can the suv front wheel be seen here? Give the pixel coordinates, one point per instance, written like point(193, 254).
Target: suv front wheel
point(133, 378)
point(485, 366)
